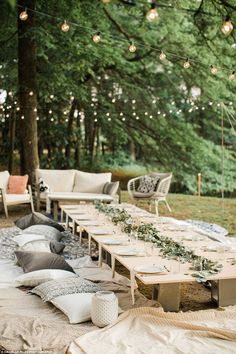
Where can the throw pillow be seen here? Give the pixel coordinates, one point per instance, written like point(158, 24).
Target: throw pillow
point(41, 276)
point(36, 246)
point(76, 307)
point(110, 188)
point(4, 177)
point(49, 232)
point(17, 184)
point(147, 184)
point(37, 219)
point(51, 289)
point(22, 239)
point(56, 247)
point(31, 261)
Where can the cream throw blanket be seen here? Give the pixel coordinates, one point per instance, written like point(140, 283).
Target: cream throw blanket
point(151, 331)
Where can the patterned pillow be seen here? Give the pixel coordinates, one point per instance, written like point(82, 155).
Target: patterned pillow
point(54, 288)
point(147, 184)
point(49, 232)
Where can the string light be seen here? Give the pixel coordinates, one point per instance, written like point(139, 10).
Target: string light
point(23, 15)
point(51, 96)
point(152, 14)
point(22, 117)
point(132, 48)
point(17, 108)
point(37, 118)
point(31, 93)
point(187, 64)
point(232, 76)
point(65, 27)
point(227, 27)
point(123, 119)
point(106, 1)
point(214, 70)
point(97, 38)
point(162, 56)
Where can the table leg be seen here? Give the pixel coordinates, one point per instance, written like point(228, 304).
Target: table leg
point(80, 235)
point(55, 209)
point(223, 292)
point(113, 265)
point(89, 244)
point(67, 221)
point(61, 215)
point(100, 255)
point(168, 295)
point(132, 285)
point(73, 227)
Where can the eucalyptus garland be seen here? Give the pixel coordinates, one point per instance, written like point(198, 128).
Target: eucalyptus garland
point(169, 248)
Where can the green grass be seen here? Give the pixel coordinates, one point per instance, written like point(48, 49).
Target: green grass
point(208, 209)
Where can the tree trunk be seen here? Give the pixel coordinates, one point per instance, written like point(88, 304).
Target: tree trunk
point(27, 91)
point(70, 133)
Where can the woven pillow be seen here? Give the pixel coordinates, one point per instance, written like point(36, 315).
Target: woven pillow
point(49, 232)
point(37, 219)
point(147, 184)
point(54, 288)
point(31, 261)
point(17, 184)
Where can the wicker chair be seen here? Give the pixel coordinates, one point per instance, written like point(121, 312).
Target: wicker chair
point(155, 197)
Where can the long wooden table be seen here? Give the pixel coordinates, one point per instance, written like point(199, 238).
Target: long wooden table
point(166, 286)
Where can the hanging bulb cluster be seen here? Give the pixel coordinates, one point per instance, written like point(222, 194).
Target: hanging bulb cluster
point(132, 48)
point(97, 37)
point(187, 64)
point(65, 27)
point(227, 27)
point(152, 14)
point(23, 15)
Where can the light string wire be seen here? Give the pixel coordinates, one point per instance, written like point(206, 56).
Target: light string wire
point(149, 47)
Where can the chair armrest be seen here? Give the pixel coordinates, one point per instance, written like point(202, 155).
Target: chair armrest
point(131, 185)
point(3, 193)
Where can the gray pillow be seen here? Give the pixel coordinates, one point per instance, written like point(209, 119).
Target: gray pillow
point(49, 232)
point(111, 188)
point(31, 261)
point(37, 219)
point(53, 288)
point(56, 247)
point(148, 184)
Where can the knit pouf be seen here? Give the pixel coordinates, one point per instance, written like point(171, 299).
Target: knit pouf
point(104, 309)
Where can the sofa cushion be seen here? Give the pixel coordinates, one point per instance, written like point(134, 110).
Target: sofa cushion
point(111, 188)
point(41, 276)
point(37, 219)
point(17, 184)
point(57, 180)
point(90, 182)
point(4, 177)
point(31, 261)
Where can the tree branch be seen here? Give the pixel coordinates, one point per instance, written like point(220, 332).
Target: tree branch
point(118, 26)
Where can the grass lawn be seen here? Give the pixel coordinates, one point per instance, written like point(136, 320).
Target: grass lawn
point(208, 209)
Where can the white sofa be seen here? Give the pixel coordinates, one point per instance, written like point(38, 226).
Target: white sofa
point(75, 185)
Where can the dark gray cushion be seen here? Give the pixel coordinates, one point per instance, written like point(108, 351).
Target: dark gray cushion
point(49, 232)
point(37, 219)
point(31, 261)
point(54, 288)
point(56, 247)
point(111, 188)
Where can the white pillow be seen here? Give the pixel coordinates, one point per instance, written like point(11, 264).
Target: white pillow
point(86, 182)
point(22, 239)
point(36, 246)
point(75, 306)
point(4, 177)
point(38, 277)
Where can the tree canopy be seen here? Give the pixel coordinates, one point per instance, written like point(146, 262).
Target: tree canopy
point(99, 106)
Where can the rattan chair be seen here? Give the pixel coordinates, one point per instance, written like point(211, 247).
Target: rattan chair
point(155, 197)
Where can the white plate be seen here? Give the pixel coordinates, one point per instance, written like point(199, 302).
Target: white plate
point(100, 232)
point(112, 242)
point(127, 252)
point(150, 269)
point(89, 223)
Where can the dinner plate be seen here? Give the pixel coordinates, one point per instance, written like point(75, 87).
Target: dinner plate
point(112, 242)
point(100, 232)
point(127, 252)
point(151, 269)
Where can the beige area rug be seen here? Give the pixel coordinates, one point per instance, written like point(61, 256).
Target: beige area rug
point(151, 331)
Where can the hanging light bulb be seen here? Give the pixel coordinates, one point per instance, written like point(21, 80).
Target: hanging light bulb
point(214, 70)
point(97, 38)
point(232, 76)
point(31, 93)
point(106, 1)
point(132, 47)
point(227, 26)
point(162, 56)
point(152, 14)
point(186, 64)
point(23, 15)
point(65, 27)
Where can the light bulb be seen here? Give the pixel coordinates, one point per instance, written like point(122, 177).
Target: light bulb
point(132, 48)
point(106, 1)
point(65, 27)
point(23, 15)
point(22, 117)
point(123, 119)
point(37, 118)
point(31, 93)
point(232, 76)
point(187, 64)
point(227, 27)
point(97, 38)
point(152, 14)
point(17, 108)
point(214, 70)
point(162, 56)
point(51, 96)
